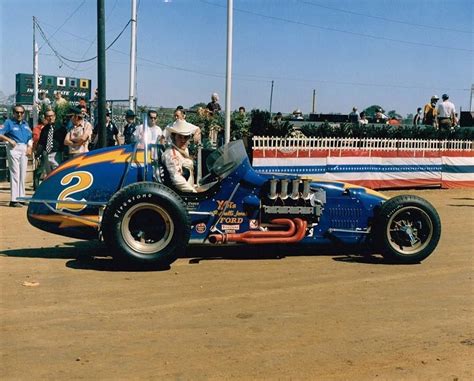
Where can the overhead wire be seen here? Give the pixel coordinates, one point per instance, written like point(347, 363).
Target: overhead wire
point(65, 21)
point(438, 27)
point(365, 35)
point(63, 58)
point(257, 78)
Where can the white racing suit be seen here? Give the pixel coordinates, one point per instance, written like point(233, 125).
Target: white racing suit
point(175, 161)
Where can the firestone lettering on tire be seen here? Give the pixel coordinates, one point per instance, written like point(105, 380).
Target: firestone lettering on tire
point(138, 197)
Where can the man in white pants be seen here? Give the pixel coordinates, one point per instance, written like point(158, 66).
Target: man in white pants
point(18, 135)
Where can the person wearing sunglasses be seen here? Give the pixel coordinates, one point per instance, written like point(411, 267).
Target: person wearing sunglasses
point(154, 134)
point(17, 133)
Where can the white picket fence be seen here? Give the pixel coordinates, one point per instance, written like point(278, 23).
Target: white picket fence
point(376, 144)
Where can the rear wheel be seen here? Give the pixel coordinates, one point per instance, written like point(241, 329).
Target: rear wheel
point(407, 229)
point(146, 223)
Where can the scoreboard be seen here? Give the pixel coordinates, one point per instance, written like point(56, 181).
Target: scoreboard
point(72, 89)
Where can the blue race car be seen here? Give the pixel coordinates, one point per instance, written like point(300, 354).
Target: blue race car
point(123, 195)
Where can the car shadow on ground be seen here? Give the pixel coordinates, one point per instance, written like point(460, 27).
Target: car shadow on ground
point(94, 255)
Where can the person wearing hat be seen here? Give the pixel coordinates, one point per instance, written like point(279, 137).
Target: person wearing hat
point(446, 113)
point(78, 138)
point(129, 127)
point(176, 158)
point(111, 131)
point(429, 112)
point(180, 114)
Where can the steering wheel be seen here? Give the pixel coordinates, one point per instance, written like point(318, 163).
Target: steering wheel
point(209, 178)
point(215, 173)
point(222, 168)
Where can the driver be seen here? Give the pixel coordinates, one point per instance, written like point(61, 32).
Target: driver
point(176, 157)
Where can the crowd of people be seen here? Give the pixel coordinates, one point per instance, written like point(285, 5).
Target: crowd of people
point(438, 115)
point(65, 132)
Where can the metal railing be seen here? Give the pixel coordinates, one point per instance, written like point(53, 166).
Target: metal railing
point(370, 144)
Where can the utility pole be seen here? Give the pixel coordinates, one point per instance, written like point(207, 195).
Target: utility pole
point(101, 103)
point(35, 75)
point(271, 100)
point(228, 81)
point(314, 100)
point(471, 108)
point(133, 57)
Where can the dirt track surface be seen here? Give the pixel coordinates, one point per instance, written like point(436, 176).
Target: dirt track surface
point(297, 315)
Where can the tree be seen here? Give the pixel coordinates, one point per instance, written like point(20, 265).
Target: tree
point(372, 110)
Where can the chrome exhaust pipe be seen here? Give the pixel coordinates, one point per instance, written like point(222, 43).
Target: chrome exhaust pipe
point(295, 189)
point(273, 189)
point(305, 194)
point(284, 189)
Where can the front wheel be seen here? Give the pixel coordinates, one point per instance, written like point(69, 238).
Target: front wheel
point(407, 229)
point(146, 223)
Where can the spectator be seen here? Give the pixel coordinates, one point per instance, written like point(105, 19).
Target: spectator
point(129, 127)
point(354, 116)
point(417, 119)
point(78, 138)
point(214, 106)
point(44, 102)
point(446, 113)
point(82, 103)
point(18, 135)
point(154, 134)
point(111, 131)
point(380, 117)
point(37, 131)
point(393, 121)
point(61, 109)
point(177, 159)
point(297, 115)
point(363, 119)
point(59, 101)
point(51, 144)
point(241, 110)
point(277, 119)
point(429, 112)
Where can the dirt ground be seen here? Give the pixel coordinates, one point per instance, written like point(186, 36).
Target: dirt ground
point(233, 314)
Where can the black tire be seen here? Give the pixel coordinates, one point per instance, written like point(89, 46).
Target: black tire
point(407, 229)
point(146, 223)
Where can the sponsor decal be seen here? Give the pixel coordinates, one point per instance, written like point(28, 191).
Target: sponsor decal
point(201, 228)
point(221, 204)
point(230, 228)
point(253, 224)
point(192, 205)
point(231, 220)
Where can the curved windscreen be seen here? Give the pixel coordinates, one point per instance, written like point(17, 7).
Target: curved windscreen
point(225, 159)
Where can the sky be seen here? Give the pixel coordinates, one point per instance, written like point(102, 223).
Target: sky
point(395, 53)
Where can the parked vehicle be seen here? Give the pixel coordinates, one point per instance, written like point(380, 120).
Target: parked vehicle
point(121, 195)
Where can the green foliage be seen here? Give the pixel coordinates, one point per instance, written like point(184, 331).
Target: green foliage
point(346, 130)
point(261, 125)
point(371, 111)
point(239, 126)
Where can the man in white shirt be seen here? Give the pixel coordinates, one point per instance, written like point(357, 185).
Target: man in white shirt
point(446, 113)
point(154, 134)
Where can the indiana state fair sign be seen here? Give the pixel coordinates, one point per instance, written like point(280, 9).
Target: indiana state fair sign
point(373, 163)
point(72, 89)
